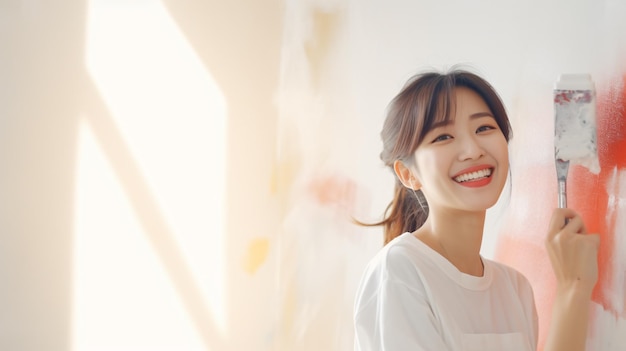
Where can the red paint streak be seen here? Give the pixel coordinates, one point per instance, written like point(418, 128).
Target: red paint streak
point(592, 200)
point(522, 246)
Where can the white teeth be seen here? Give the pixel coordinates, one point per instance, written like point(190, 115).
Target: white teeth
point(474, 175)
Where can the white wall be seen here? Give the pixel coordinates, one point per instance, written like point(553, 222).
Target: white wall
point(128, 221)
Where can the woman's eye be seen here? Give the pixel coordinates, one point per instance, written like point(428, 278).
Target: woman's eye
point(485, 128)
point(442, 137)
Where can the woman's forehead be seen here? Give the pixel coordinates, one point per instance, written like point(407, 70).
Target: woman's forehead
point(458, 97)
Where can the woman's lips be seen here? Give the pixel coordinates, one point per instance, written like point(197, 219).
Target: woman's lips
point(475, 176)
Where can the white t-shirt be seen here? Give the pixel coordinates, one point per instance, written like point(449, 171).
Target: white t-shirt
point(412, 298)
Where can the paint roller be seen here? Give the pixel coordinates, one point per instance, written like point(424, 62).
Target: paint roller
point(575, 138)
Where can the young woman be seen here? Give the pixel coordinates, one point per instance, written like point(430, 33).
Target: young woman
point(446, 138)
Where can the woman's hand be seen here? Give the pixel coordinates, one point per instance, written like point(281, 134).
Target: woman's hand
point(574, 257)
point(573, 253)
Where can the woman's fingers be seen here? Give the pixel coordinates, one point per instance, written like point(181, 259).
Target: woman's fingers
point(565, 219)
point(572, 251)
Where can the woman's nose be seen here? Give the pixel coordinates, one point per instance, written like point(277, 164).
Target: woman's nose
point(470, 149)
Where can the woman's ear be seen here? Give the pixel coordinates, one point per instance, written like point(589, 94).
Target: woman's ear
point(406, 177)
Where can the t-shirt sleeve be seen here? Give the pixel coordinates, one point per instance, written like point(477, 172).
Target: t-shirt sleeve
point(394, 315)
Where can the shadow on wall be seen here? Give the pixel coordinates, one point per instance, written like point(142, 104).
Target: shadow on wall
point(41, 74)
point(47, 92)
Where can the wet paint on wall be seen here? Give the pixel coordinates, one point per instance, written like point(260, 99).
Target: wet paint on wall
point(601, 201)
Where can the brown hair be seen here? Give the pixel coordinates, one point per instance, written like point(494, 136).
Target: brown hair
point(424, 100)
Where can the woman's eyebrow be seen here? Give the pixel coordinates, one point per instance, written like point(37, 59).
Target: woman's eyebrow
point(481, 114)
point(451, 121)
point(440, 124)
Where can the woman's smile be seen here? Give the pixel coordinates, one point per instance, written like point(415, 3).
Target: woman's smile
point(478, 181)
point(476, 176)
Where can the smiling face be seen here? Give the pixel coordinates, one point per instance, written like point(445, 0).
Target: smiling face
point(462, 164)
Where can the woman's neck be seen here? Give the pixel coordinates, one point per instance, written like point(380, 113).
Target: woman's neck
point(457, 237)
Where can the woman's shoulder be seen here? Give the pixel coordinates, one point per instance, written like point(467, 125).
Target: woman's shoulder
point(399, 259)
point(395, 266)
point(399, 251)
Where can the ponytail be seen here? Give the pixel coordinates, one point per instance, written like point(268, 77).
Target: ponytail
point(405, 213)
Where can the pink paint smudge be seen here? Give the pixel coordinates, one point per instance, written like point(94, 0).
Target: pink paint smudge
point(601, 200)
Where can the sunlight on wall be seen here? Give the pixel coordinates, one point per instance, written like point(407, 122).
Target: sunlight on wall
point(122, 300)
point(171, 117)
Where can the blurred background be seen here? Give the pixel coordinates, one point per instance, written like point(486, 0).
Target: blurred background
point(182, 175)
